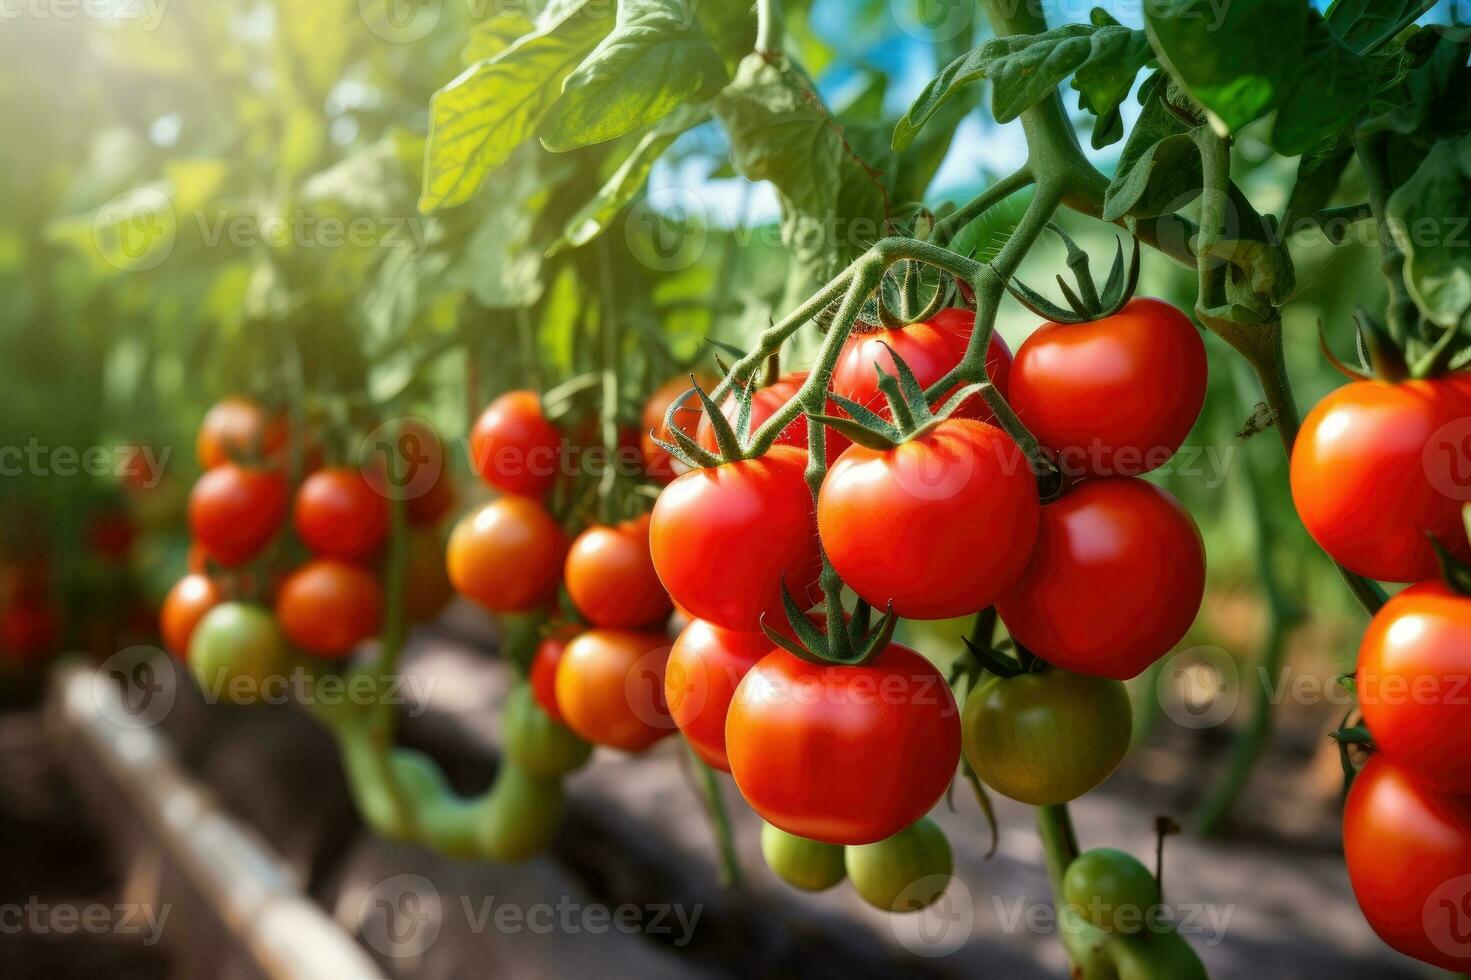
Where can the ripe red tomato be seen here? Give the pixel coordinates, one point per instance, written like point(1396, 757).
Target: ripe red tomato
point(705, 666)
point(1114, 397)
point(1377, 467)
point(185, 605)
point(657, 463)
point(930, 348)
point(338, 515)
point(507, 556)
point(1115, 580)
point(234, 511)
point(844, 755)
point(610, 688)
point(237, 428)
point(610, 576)
point(328, 607)
point(1414, 684)
point(722, 538)
point(1408, 851)
point(513, 447)
point(110, 535)
point(29, 629)
point(941, 524)
point(765, 402)
point(544, 670)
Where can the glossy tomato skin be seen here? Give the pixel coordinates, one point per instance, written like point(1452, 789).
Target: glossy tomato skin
point(902, 524)
point(705, 666)
point(1115, 580)
point(185, 605)
point(657, 463)
point(507, 556)
point(843, 755)
point(1046, 738)
point(1414, 684)
point(235, 511)
point(722, 539)
point(610, 688)
point(930, 348)
point(513, 447)
point(1112, 890)
point(327, 607)
point(809, 865)
point(237, 428)
point(1408, 851)
point(1114, 397)
point(1365, 469)
point(544, 670)
point(339, 515)
point(765, 402)
point(236, 651)
point(903, 873)
point(610, 576)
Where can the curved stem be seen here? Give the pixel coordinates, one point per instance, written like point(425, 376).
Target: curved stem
point(714, 799)
point(947, 227)
point(769, 28)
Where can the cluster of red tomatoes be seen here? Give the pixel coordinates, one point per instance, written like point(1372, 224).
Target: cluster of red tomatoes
point(1097, 583)
point(254, 594)
point(1380, 470)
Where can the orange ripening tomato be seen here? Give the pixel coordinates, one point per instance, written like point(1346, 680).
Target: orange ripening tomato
point(843, 755)
point(514, 448)
point(327, 607)
point(1112, 397)
point(705, 666)
point(235, 511)
point(1379, 468)
point(338, 515)
point(610, 688)
point(238, 429)
point(657, 463)
point(610, 576)
point(1408, 851)
point(1115, 580)
point(507, 556)
point(185, 605)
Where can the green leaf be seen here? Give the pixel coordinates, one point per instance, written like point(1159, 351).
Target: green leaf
point(496, 33)
point(779, 131)
point(477, 120)
point(1332, 88)
point(1358, 22)
point(1318, 173)
point(1103, 56)
point(1159, 169)
point(1237, 60)
point(1428, 217)
point(982, 237)
point(627, 180)
point(656, 58)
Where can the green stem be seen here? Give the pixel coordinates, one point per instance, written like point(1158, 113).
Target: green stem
point(609, 330)
point(946, 228)
point(1059, 844)
point(730, 863)
point(770, 29)
point(1401, 313)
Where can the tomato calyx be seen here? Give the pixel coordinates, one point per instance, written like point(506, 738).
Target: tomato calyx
point(908, 407)
point(1455, 572)
point(851, 643)
point(1088, 302)
point(732, 441)
point(1002, 664)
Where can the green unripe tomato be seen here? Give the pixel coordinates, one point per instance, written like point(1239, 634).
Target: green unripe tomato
point(1046, 738)
point(520, 816)
point(540, 746)
point(810, 865)
point(1111, 889)
point(903, 873)
point(235, 651)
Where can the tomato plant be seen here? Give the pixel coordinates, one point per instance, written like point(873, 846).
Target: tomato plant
point(513, 446)
point(543, 673)
point(610, 576)
point(188, 601)
point(705, 665)
point(810, 865)
point(327, 607)
point(610, 688)
point(903, 872)
point(1112, 890)
point(339, 515)
point(507, 556)
point(235, 511)
point(237, 429)
point(235, 651)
